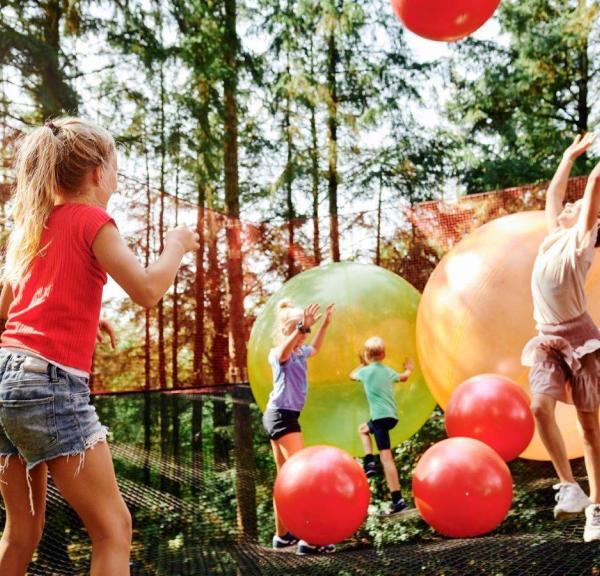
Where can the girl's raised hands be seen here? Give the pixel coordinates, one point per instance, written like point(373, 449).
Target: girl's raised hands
point(580, 145)
point(311, 315)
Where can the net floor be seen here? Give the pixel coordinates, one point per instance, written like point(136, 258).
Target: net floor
point(183, 484)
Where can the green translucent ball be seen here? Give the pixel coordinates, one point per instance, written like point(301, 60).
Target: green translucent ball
point(369, 301)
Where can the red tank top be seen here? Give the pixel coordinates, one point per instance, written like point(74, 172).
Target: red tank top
point(56, 306)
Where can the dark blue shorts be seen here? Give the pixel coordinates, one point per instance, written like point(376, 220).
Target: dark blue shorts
point(380, 428)
point(278, 422)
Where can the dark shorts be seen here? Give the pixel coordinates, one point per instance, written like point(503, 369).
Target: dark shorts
point(278, 423)
point(380, 428)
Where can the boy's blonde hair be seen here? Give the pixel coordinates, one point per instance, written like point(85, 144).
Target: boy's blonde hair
point(374, 349)
point(288, 315)
point(55, 156)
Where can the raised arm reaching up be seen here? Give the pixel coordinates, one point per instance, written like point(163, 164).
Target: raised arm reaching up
point(590, 205)
point(558, 186)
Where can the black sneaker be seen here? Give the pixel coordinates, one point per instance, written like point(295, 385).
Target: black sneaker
point(285, 541)
point(398, 507)
point(304, 548)
point(370, 469)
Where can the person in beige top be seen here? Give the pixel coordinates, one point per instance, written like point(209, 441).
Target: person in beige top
point(565, 356)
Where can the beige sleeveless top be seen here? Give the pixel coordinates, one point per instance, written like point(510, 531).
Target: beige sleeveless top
point(559, 273)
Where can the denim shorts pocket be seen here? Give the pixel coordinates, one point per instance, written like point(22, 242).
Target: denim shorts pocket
point(30, 424)
point(24, 379)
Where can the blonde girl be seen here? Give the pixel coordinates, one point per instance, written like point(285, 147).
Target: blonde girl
point(288, 361)
point(60, 250)
point(565, 356)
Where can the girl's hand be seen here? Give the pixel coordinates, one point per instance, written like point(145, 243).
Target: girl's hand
point(579, 146)
point(328, 314)
point(409, 365)
point(105, 326)
point(361, 357)
point(311, 315)
point(188, 238)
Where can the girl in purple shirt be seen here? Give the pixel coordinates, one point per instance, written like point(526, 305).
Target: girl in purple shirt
point(288, 361)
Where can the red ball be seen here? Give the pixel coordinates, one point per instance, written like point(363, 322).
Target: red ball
point(493, 409)
point(444, 20)
point(462, 488)
point(322, 495)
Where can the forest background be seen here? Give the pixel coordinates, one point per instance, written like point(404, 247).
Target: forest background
point(292, 132)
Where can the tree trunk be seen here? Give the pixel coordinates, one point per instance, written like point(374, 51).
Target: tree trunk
point(315, 190)
point(147, 320)
point(289, 177)
point(378, 247)
point(199, 282)
point(583, 109)
point(219, 348)
point(175, 411)
point(314, 154)
point(237, 329)
point(332, 124)
point(175, 338)
point(245, 466)
point(162, 365)
point(196, 444)
point(221, 420)
point(54, 96)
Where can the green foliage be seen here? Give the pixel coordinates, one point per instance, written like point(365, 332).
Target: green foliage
point(519, 105)
point(32, 44)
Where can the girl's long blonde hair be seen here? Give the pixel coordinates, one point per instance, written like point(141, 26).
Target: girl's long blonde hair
point(53, 157)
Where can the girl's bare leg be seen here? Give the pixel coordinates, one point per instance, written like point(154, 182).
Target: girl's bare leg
point(23, 530)
point(543, 407)
point(591, 450)
point(95, 496)
point(283, 448)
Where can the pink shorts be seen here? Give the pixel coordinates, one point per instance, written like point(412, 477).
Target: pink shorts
point(565, 362)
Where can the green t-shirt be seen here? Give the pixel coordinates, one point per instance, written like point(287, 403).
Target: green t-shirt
point(378, 379)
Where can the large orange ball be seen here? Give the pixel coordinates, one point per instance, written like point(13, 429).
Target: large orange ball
point(445, 20)
point(476, 314)
point(462, 488)
point(322, 495)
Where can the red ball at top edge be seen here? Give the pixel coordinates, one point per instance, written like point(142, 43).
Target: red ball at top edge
point(462, 488)
point(322, 495)
point(444, 20)
point(493, 409)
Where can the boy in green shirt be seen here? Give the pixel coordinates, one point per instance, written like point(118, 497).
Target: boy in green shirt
point(378, 380)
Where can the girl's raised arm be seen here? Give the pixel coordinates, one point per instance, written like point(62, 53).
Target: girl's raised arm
point(145, 286)
point(591, 204)
point(285, 349)
point(557, 189)
point(318, 341)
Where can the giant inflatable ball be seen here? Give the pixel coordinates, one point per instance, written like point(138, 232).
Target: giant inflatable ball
point(368, 301)
point(322, 495)
point(476, 314)
point(444, 20)
point(462, 488)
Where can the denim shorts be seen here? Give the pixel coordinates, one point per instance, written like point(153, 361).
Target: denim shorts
point(45, 412)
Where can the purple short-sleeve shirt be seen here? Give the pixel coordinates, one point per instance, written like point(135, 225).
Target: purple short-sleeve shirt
point(289, 380)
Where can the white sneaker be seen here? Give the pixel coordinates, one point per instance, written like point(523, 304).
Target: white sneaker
point(571, 499)
point(592, 523)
